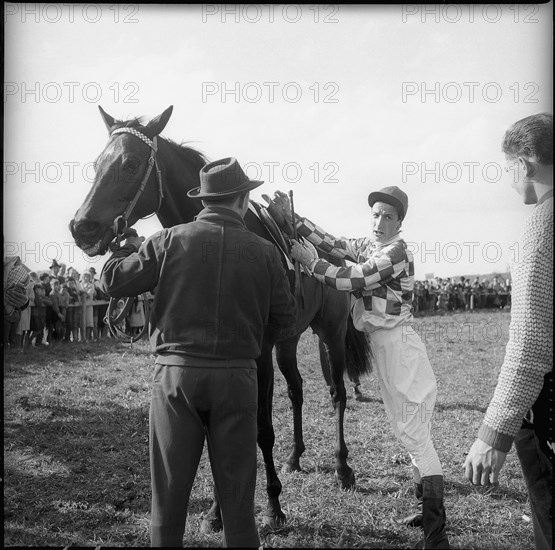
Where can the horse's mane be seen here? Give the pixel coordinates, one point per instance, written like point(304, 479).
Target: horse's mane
point(187, 153)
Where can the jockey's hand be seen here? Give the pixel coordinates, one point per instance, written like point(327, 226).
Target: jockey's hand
point(302, 253)
point(483, 463)
point(16, 296)
point(132, 238)
point(280, 206)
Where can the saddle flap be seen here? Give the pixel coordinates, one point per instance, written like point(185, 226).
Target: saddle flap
point(274, 231)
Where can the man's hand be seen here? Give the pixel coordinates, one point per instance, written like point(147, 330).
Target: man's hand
point(302, 253)
point(483, 463)
point(132, 238)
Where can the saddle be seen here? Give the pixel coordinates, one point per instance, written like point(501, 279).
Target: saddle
point(280, 236)
point(275, 232)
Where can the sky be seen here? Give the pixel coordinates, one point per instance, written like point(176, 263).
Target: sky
point(332, 102)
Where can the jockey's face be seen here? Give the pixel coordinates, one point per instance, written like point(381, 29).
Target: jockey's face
point(385, 221)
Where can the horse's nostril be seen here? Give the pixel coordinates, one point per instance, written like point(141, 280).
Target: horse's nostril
point(85, 228)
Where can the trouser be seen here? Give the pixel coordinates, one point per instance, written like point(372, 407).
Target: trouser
point(538, 474)
point(408, 387)
point(189, 403)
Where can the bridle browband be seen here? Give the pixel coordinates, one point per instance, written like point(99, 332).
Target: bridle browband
point(120, 223)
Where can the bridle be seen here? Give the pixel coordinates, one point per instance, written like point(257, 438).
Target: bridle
point(120, 222)
point(120, 226)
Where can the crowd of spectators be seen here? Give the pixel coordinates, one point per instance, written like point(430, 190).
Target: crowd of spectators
point(57, 297)
point(461, 295)
point(54, 315)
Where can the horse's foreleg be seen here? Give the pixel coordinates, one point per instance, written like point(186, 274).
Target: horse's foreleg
point(335, 352)
point(286, 355)
point(212, 520)
point(273, 516)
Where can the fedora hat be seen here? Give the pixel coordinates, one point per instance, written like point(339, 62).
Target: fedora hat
point(222, 178)
point(54, 264)
point(391, 195)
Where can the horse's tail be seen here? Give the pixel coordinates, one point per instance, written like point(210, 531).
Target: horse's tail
point(357, 351)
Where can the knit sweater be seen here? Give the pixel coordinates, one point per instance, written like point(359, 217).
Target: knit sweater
point(529, 353)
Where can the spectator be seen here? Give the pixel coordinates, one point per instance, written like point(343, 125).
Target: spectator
point(73, 316)
point(62, 273)
point(38, 315)
point(443, 300)
point(50, 316)
point(23, 329)
point(136, 318)
point(87, 299)
point(521, 409)
point(55, 271)
point(59, 310)
point(16, 278)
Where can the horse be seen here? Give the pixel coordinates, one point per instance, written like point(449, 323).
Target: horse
point(126, 189)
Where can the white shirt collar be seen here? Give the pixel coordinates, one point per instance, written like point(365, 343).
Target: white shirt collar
point(378, 246)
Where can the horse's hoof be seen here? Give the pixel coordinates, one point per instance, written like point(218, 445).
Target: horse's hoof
point(346, 482)
point(289, 467)
point(274, 522)
point(211, 525)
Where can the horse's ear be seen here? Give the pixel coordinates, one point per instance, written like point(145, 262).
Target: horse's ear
point(108, 120)
point(157, 124)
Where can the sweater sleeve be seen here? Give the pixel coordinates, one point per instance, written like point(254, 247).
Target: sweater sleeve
point(529, 352)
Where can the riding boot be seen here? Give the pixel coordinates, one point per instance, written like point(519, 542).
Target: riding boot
point(433, 513)
point(414, 520)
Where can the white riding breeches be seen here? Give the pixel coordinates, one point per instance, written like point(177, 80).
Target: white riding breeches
point(408, 387)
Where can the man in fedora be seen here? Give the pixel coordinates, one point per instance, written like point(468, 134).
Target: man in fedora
point(54, 269)
point(381, 284)
point(218, 287)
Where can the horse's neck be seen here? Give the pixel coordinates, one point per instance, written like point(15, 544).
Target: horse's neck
point(178, 177)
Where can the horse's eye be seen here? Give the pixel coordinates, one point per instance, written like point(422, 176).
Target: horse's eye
point(130, 165)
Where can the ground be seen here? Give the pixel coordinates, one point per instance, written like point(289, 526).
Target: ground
point(76, 450)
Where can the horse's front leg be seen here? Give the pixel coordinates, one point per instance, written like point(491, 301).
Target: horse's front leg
point(286, 355)
point(333, 352)
point(212, 520)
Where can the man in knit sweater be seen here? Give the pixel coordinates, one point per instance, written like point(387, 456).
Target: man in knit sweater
point(521, 410)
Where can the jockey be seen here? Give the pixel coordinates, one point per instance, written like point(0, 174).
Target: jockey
point(381, 285)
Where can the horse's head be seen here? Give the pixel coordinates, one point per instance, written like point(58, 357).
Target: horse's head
point(121, 169)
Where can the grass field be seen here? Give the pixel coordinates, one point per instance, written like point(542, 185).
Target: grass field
point(76, 450)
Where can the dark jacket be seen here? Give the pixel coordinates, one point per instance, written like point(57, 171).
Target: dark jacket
point(218, 286)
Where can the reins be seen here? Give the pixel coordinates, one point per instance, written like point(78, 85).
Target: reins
point(119, 228)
